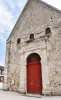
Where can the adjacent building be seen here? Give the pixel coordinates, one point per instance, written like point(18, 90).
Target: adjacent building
point(1, 77)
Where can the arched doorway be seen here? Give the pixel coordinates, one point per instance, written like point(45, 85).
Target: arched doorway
point(34, 74)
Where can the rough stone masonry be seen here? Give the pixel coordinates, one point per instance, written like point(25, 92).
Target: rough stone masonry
point(38, 30)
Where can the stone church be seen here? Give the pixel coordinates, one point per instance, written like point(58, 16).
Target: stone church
point(33, 51)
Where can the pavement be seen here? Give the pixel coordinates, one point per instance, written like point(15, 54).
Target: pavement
point(6, 95)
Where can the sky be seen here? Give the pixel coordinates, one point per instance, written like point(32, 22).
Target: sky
point(9, 13)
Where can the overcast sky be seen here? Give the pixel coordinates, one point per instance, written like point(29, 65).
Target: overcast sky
point(9, 13)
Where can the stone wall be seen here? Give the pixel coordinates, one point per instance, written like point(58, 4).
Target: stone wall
point(13, 67)
point(35, 18)
point(54, 61)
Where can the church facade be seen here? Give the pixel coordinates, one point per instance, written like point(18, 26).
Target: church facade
point(33, 51)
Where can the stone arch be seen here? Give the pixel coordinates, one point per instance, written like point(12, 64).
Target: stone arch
point(48, 32)
point(31, 36)
point(18, 41)
point(23, 71)
point(37, 56)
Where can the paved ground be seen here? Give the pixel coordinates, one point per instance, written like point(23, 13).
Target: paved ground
point(15, 96)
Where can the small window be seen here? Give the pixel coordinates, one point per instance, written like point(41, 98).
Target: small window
point(18, 41)
point(48, 32)
point(31, 36)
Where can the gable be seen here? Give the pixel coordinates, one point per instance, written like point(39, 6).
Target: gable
point(34, 12)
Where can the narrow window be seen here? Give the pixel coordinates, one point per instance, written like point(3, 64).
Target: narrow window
point(31, 36)
point(48, 32)
point(18, 40)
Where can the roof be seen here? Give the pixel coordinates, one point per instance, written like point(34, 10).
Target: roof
point(23, 11)
point(50, 6)
point(2, 67)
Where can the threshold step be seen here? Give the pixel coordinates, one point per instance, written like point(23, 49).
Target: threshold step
point(32, 95)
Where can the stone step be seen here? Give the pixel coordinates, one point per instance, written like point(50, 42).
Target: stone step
point(32, 95)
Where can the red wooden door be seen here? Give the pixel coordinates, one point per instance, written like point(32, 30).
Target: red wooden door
point(34, 78)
